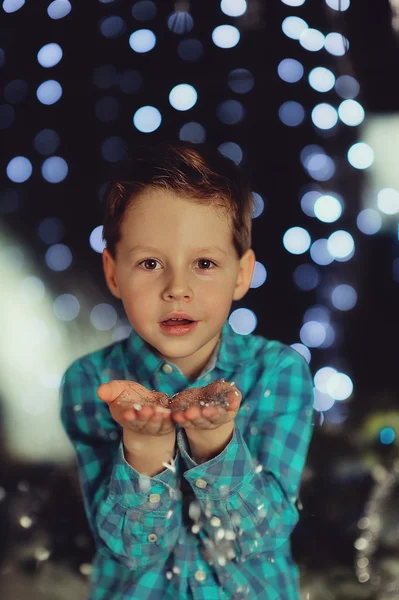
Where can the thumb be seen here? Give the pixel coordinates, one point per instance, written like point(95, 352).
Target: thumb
point(109, 391)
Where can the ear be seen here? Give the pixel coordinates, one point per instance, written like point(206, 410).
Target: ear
point(244, 277)
point(109, 267)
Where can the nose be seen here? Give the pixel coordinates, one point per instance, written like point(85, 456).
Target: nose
point(178, 287)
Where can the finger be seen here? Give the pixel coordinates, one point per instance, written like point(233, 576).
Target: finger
point(111, 390)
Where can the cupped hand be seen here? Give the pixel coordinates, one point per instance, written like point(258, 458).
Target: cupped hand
point(206, 407)
point(136, 408)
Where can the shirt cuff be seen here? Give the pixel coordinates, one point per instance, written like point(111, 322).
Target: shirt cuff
point(221, 476)
point(135, 490)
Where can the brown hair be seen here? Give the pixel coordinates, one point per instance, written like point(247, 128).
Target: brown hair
point(197, 172)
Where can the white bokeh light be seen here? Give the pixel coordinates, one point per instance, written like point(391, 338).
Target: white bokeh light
point(339, 386)
point(324, 116)
point(336, 44)
point(225, 36)
point(96, 242)
point(103, 317)
point(322, 402)
point(49, 55)
point(322, 377)
point(147, 119)
point(290, 70)
point(360, 155)
point(327, 209)
point(54, 169)
point(10, 6)
point(142, 40)
point(49, 92)
point(293, 27)
point(183, 96)
point(296, 240)
point(312, 40)
point(259, 275)
point(66, 307)
point(312, 334)
point(243, 321)
point(340, 244)
point(321, 79)
point(19, 169)
point(344, 297)
point(303, 351)
point(351, 112)
point(369, 221)
point(388, 201)
point(340, 5)
point(293, 2)
point(233, 8)
point(319, 252)
point(59, 9)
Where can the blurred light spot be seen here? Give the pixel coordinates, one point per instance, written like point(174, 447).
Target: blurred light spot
point(351, 113)
point(327, 209)
point(16, 91)
point(294, 2)
point(114, 149)
point(10, 6)
point(54, 169)
point(190, 49)
point(344, 297)
point(7, 116)
point(19, 169)
point(192, 132)
point(347, 86)
point(293, 27)
point(231, 150)
point(107, 109)
point(320, 167)
point(121, 332)
point(308, 201)
point(306, 277)
point(258, 205)
point(322, 402)
point(387, 435)
point(230, 112)
point(243, 321)
point(339, 386)
point(336, 44)
point(290, 70)
point(259, 275)
point(303, 351)
point(96, 241)
point(291, 113)
point(142, 40)
point(369, 221)
point(340, 244)
point(388, 201)
point(130, 81)
point(59, 9)
point(322, 377)
point(51, 230)
point(296, 240)
point(340, 5)
point(46, 141)
point(147, 119)
point(9, 201)
point(66, 307)
point(317, 313)
point(233, 8)
point(321, 79)
point(58, 257)
point(180, 22)
point(183, 96)
point(241, 81)
point(49, 92)
point(320, 253)
point(103, 317)
point(324, 116)
point(144, 10)
point(337, 414)
point(360, 155)
point(225, 36)
point(49, 55)
point(32, 290)
point(112, 27)
point(312, 40)
point(312, 334)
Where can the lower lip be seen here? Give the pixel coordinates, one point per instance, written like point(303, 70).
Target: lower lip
point(178, 329)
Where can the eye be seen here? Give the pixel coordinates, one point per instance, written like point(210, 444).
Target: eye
point(204, 260)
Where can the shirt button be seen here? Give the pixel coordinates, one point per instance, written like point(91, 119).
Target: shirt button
point(200, 575)
point(167, 368)
point(152, 537)
point(201, 484)
point(154, 498)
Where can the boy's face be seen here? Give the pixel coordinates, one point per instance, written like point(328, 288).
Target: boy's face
point(176, 279)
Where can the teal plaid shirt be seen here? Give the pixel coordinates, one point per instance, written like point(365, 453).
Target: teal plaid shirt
point(218, 530)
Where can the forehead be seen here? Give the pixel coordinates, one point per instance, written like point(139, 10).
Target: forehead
point(160, 215)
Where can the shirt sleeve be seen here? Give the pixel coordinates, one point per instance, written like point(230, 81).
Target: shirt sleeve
point(253, 495)
point(136, 517)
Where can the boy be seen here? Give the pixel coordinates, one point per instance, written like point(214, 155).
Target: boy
point(190, 438)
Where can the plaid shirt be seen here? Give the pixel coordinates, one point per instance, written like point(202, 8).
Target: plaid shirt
point(217, 530)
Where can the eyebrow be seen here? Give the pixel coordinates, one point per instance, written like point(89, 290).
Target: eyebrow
point(153, 249)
